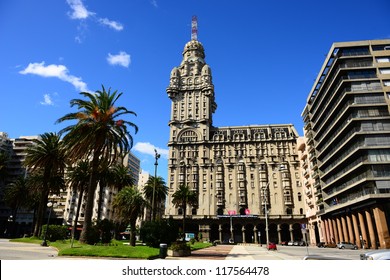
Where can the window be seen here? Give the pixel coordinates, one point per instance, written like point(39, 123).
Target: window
point(384, 71)
point(383, 59)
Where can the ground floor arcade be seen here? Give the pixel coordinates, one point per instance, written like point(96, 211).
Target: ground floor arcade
point(366, 226)
point(246, 229)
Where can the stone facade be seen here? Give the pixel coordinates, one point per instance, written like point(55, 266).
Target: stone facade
point(236, 170)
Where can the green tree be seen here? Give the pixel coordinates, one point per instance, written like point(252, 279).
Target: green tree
point(99, 135)
point(46, 156)
point(16, 196)
point(115, 177)
point(160, 193)
point(129, 204)
point(4, 158)
point(182, 197)
point(78, 179)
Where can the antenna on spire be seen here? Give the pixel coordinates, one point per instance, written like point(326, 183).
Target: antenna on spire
point(194, 28)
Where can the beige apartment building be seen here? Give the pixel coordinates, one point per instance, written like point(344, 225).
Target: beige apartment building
point(347, 126)
point(237, 172)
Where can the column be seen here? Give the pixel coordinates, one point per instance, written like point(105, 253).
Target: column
point(370, 229)
point(350, 230)
point(344, 226)
point(381, 227)
point(327, 238)
point(291, 232)
point(356, 230)
point(255, 233)
point(243, 234)
point(332, 227)
point(220, 233)
point(279, 234)
point(363, 230)
point(339, 230)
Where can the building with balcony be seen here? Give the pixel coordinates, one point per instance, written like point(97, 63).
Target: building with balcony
point(347, 126)
point(234, 170)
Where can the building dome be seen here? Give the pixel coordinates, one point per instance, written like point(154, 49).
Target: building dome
point(194, 46)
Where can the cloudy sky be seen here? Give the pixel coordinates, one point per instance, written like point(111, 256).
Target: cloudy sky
point(265, 56)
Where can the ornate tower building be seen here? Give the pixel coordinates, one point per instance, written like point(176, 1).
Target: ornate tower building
point(235, 171)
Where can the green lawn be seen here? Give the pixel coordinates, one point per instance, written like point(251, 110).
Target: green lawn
point(117, 249)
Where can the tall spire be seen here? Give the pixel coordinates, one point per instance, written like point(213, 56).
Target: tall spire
point(194, 28)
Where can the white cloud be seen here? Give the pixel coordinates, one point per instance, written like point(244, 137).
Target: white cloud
point(154, 3)
point(54, 71)
point(147, 148)
point(110, 23)
point(47, 100)
point(78, 10)
point(122, 59)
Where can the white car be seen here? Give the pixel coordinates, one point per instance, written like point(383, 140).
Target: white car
point(376, 255)
point(346, 245)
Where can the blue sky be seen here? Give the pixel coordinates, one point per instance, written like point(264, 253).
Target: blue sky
point(264, 56)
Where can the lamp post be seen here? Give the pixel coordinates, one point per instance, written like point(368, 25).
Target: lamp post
point(265, 194)
point(49, 205)
point(8, 229)
point(156, 156)
point(281, 167)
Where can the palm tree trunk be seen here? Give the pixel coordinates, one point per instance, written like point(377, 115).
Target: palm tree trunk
point(87, 225)
point(132, 232)
point(41, 212)
point(77, 215)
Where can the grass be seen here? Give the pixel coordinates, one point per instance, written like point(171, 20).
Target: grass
point(117, 249)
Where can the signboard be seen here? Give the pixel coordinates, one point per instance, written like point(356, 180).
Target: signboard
point(237, 216)
point(189, 236)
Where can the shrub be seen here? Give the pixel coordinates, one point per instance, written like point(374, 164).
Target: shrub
point(55, 232)
point(179, 245)
point(154, 233)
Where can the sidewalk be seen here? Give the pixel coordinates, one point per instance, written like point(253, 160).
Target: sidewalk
point(236, 252)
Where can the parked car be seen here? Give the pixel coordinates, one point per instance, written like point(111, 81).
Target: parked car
point(290, 243)
point(321, 244)
point(376, 255)
point(296, 243)
point(346, 245)
point(271, 246)
point(301, 243)
point(330, 245)
point(284, 243)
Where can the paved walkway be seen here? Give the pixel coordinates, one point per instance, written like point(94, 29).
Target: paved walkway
point(236, 252)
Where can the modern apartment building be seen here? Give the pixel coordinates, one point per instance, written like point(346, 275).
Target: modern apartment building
point(314, 224)
point(64, 204)
point(347, 126)
point(16, 149)
point(237, 172)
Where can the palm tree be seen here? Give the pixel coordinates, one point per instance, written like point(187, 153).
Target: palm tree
point(16, 196)
point(47, 157)
point(182, 197)
point(4, 158)
point(160, 192)
point(98, 135)
point(116, 177)
point(78, 179)
point(129, 204)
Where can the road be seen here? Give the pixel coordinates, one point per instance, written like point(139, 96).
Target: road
point(25, 251)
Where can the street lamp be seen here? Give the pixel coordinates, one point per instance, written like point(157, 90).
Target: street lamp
point(281, 167)
point(8, 229)
point(265, 194)
point(157, 156)
point(49, 205)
